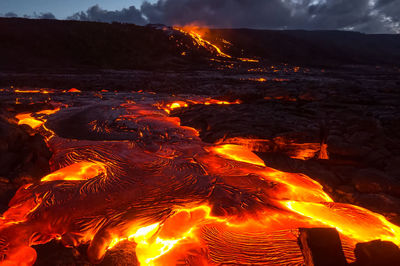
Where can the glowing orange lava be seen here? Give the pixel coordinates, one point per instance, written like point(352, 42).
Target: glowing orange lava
point(76, 171)
point(43, 91)
point(34, 122)
point(185, 103)
point(178, 198)
point(74, 90)
point(238, 153)
point(197, 35)
point(249, 60)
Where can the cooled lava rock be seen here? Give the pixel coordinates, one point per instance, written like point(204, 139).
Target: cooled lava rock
point(321, 247)
point(377, 253)
point(24, 159)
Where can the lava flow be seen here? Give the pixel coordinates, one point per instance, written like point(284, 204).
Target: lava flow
point(149, 180)
point(196, 33)
point(34, 121)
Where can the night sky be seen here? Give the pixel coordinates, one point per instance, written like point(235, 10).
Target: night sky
point(369, 16)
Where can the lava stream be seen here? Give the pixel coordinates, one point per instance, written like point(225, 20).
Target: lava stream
point(175, 196)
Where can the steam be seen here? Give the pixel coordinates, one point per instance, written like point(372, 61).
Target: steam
point(126, 15)
point(46, 15)
point(370, 16)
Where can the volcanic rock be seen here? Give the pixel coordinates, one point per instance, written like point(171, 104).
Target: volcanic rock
point(54, 253)
point(375, 181)
point(321, 247)
point(378, 202)
point(122, 254)
point(24, 159)
point(377, 253)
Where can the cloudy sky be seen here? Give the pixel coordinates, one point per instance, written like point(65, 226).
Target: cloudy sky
point(370, 16)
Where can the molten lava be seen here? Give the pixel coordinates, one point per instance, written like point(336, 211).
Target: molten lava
point(238, 153)
point(34, 120)
point(301, 151)
point(196, 33)
point(75, 90)
point(185, 103)
point(182, 201)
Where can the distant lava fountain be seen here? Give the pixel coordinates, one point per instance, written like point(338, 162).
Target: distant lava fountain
point(138, 175)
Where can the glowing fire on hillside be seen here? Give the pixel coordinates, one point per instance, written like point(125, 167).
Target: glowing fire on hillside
point(198, 33)
point(178, 198)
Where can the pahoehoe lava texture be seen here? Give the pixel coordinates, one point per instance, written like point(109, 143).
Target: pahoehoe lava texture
point(134, 167)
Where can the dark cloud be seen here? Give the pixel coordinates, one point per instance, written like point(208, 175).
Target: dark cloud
point(338, 14)
point(35, 15)
point(370, 16)
point(46, 15)
point(126, 15)
point(10, 15)
point(222, 13)
point(363, 15)
point(390, 9)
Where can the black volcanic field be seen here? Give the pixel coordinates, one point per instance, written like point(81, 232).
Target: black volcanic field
point(26, 44)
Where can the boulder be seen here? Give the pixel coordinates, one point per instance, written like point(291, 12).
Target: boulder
point(377, 253)
point(321, 247)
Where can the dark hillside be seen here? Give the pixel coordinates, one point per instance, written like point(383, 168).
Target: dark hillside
point(313, 47)
point(28, 44)
point(51, 43)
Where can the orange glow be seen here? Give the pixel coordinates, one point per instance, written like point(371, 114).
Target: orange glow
point(27, 119)
point(76, 171)
point(197, 34)
point(185, 103)
point(252, 144)
point(306, 151)
point(258, 79)
point(175, 105)
point(301, 151)
point(238, 153)
point(74, 90)
point(43, 91)
point(155, 240)
point(174, 196)
point(249, 60)
point(34, 122)
point(323, 153)
point(352, 221)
